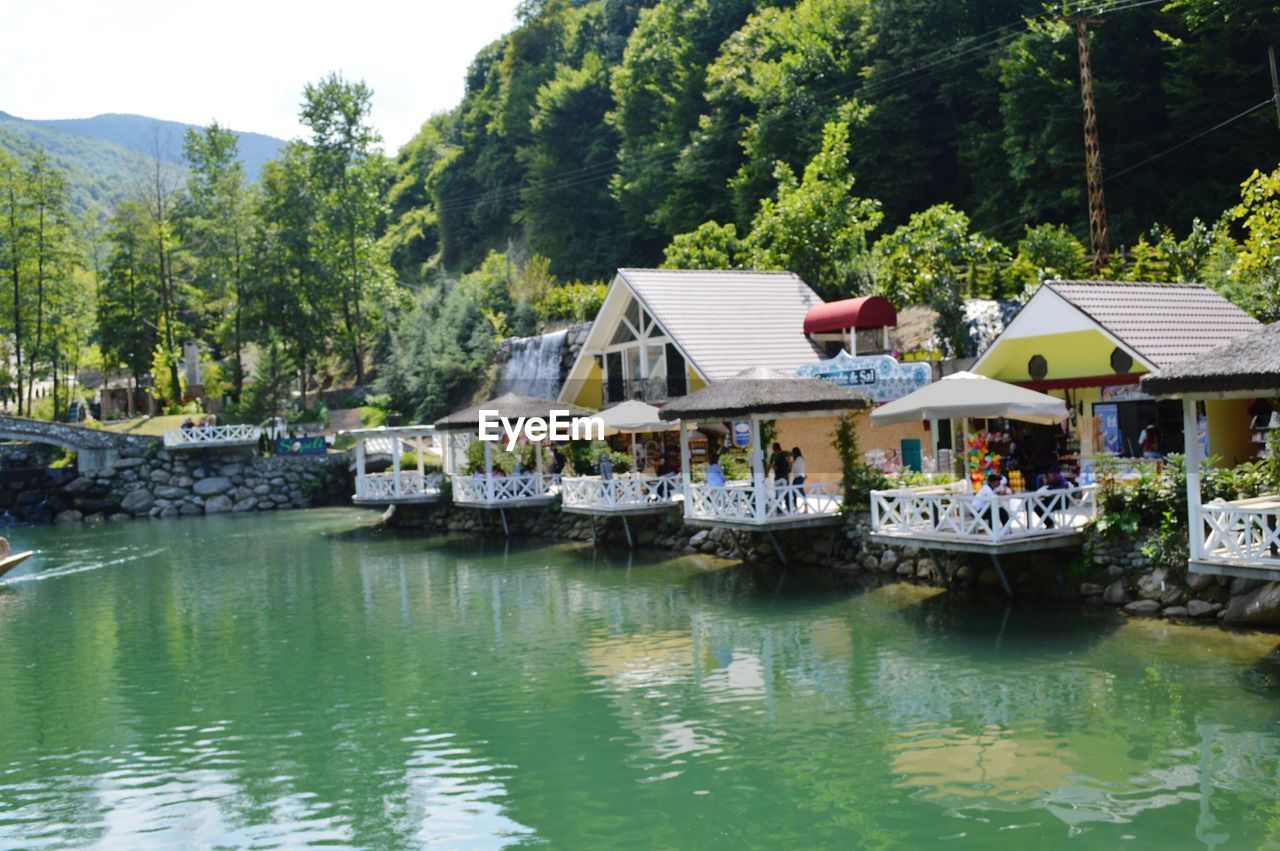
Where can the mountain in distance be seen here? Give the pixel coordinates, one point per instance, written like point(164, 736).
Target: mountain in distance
point(107, 156)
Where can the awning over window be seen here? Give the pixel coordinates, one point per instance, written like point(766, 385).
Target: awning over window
point(869, 311)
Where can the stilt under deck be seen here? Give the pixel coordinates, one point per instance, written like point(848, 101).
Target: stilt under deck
point(623, 497)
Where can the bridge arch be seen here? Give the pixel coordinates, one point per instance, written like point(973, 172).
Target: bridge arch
point(94, 448)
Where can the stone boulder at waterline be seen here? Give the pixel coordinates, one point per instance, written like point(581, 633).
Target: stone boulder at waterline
point(1258, 607)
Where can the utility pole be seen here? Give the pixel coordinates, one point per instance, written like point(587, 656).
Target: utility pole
point(1275, 81)
point(1092, 149)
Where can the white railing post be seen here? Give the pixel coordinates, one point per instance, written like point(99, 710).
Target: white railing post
point(1191, 458)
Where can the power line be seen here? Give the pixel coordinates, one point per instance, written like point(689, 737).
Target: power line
point(1022, 217)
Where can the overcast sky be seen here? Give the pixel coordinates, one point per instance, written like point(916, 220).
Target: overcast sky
point(242, 63)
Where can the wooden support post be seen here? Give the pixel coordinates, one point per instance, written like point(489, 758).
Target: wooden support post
point(488, 468)
point(395, 464)
point(1004, 580)
point(757, 468)
point(422, 463)
point(686, 474)
point(360, 463)
point(777, 548)
point(537, 464)
point(626, 527)
point(1192, 460)
point(506, 530)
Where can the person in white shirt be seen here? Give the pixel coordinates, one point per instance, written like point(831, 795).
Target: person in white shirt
point(987, 497)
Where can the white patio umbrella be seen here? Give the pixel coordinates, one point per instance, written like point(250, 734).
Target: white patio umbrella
point(965, 395)
point(634, 416)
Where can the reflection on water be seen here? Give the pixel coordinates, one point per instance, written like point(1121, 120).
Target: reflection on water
point(301, 679)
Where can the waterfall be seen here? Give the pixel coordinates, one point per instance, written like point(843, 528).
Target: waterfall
point(533, 369)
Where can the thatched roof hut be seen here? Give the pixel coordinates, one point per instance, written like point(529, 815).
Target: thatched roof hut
point(509, 405)
point(762, 391)
point(1246, 364)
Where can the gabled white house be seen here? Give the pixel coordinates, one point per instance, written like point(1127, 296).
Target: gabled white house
point(664, 332)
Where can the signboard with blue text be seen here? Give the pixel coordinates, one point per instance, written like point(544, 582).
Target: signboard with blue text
point(880, 377)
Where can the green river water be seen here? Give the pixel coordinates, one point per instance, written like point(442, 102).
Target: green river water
point(304, 679)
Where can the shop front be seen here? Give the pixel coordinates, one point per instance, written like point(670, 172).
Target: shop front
point(1089, 343)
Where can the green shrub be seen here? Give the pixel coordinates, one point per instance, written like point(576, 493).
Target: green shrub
point(858, 477)
point(576, 302)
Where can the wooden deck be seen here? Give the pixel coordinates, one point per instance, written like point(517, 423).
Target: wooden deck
point(623, 496)
point(958, 521)
point(1239, 538)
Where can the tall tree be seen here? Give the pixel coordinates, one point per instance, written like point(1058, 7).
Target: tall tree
point(217, 229)
point(290, 298)
point(47, 198)
point(347, 168)
point(14, 234)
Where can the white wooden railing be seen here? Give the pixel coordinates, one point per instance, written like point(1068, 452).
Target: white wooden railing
point(930, 514)
point(1247, 530)
point(513, 488)
point(197, 436)
point(621, 492)
point(744, 502)
point(375, 487)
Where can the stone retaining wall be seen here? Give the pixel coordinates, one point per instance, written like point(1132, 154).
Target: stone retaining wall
point(152, 482)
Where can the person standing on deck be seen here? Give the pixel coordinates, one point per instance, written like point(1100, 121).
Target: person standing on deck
point(798, 471)
point(780, 466)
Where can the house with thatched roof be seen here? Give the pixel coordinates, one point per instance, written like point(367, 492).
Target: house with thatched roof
point(1240, 538)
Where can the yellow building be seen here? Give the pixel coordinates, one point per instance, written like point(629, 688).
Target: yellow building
point(662, 333)
point(1089, 343)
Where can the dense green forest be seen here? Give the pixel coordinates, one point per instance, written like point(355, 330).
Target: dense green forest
point(596, 132)
point(929, 151)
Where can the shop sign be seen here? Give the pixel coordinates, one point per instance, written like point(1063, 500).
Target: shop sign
point(741, 433)
point(301, 445)
point(1124, 393)
point(880, 377)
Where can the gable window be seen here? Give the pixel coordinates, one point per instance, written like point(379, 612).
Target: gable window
point(636, 358)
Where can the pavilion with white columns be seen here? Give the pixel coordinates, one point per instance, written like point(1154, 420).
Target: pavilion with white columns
point(1238, 538)
point(759, 503)
point(481, 488)
point(395, 486)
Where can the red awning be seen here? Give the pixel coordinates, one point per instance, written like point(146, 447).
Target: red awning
point(869, 311)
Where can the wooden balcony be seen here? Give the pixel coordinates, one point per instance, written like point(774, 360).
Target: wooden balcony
point(951, 518)
point(620, 496)
point(768, 506)
point(212, 437)
point(514, 491)
point(1240, 538)
point(397, 488)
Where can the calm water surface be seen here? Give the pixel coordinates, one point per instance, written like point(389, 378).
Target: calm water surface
point(299, 679)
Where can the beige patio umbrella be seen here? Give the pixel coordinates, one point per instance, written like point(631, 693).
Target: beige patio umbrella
point(634, 416)
point(965, 396)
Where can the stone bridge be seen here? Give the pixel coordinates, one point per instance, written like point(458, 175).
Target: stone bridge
point(94, 448)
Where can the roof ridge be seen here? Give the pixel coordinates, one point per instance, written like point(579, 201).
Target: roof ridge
point(1099, 283)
